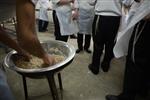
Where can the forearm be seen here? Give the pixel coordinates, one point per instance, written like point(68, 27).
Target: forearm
point(64, 2)
point(26, 33)
point(7, 40)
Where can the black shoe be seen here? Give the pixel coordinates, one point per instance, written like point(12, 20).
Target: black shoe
point(73, 36)
point(88, 51)
point(105, 66)
point(94, 70)
point(78, 50)
point(111, 97)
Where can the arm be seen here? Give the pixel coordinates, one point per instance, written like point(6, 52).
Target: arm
point(26, 33)
point(75, 8)
point(7, 40)
point(64, 2)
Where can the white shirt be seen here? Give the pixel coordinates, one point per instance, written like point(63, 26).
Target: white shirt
point(108, 7)
point(44, 4)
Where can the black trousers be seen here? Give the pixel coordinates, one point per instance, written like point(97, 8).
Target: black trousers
point(57, 32)
point(80, 38)
point(42, 25)
point(137, 72)
point(106, 28)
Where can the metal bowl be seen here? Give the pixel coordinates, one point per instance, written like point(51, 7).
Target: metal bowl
point(67, 49)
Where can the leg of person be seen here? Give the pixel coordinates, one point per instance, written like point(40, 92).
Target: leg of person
point(142, 56)
point(127, 79)
point(94, 26)
point(79, 42)
point(45, 25)
point(62, 38)
point(40, 25)
point(56, 26)
point(5, 93)
point(98, 47)
point(111, 25)
point(87, 43)
point(129, 84)
point(73, 36)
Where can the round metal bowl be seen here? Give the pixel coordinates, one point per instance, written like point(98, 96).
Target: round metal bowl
point(67, 49)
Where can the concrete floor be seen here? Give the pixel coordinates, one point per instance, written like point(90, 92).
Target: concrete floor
point(78, 82)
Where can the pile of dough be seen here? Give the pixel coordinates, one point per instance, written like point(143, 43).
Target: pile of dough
point(36, 62)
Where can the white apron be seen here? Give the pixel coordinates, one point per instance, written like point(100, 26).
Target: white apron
point(121, 47)
point(86, 16)
point(67, 25)
point(43, 12)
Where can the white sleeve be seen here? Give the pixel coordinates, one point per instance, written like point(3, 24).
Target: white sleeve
point(92, 2)
point(45, 4)
point(127, 2)
point(76, 4)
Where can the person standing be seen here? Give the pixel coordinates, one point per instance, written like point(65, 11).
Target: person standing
point(135, 45)
point(107, 16)
point(44, 6)
point(86, 16)
point(64, 17)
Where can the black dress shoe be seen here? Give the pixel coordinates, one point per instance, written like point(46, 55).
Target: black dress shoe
point(94, 70)
point(111, 97)
point(78, 50)
point(105, 66)
point(88, 51)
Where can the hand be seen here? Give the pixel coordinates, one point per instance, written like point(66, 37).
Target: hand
point(50, 60)
point(72, 1)
point(75, 14)
point(23, 53)
point(49, 9)
point(147, 17)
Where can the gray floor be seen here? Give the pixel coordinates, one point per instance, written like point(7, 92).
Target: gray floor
point(78, 82)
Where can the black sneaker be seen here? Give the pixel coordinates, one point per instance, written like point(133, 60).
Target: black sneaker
point(78, 50)
point(94, 70)
point(105, 66)
point(88, 51)
point(111, 97)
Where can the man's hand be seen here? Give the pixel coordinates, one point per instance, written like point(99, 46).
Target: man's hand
point(75, 14)
point(50, 60)
point(147, 17)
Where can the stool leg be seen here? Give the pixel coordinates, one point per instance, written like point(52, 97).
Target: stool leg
point(52, 86)
point(60, 81)
point(25, 87)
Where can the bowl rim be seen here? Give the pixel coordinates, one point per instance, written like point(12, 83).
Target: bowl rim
point(36, 70)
